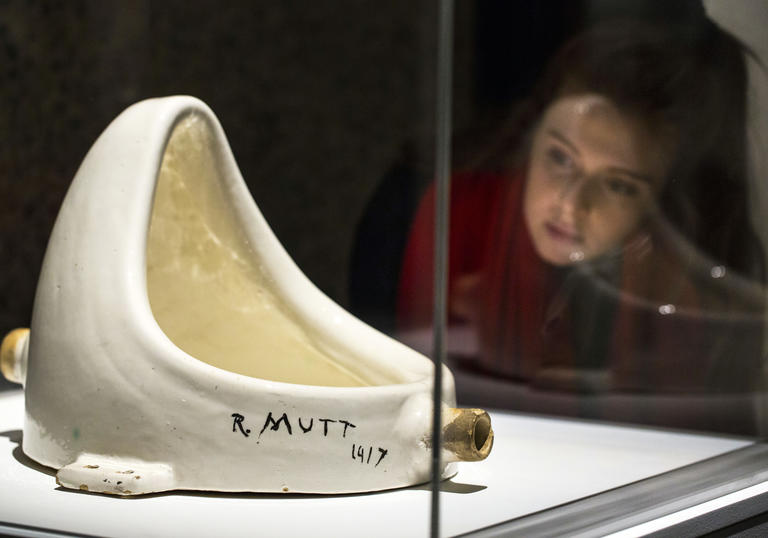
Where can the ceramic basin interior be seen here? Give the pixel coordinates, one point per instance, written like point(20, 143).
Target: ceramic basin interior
point(197, 256)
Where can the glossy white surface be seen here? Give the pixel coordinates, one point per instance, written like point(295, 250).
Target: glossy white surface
point(536, 463)
point(109, 393)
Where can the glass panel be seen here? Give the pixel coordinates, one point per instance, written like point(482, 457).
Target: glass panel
point(607, 246)
point(604, 261)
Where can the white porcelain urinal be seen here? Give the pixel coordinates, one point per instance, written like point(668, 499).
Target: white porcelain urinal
point(175, 345)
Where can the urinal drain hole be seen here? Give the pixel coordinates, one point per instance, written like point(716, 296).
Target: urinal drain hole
point(467, 434)
point(482, 431)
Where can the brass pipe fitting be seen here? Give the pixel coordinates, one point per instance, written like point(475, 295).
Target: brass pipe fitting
point(467, 434)
point(13, 355)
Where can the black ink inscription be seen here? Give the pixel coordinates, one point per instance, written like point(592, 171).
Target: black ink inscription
point(238, 423)
point(358, 453)
point(305, 430)
point(383, 453)
point(276, 425)
point(346, 425)
point(325, 422)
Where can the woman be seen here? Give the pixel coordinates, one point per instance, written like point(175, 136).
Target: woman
point(588, 251)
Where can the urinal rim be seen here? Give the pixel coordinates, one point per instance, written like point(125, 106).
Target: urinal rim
point(173, 111)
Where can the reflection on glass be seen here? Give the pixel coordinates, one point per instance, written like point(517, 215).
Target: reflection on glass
point(602, 261)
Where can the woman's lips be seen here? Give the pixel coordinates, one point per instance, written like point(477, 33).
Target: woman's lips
point(561, 234)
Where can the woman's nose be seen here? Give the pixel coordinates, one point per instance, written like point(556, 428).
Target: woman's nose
point(576, 195)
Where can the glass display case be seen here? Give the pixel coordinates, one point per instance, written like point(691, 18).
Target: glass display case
point(584, 180)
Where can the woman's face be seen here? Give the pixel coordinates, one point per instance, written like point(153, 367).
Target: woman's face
point(593, 175)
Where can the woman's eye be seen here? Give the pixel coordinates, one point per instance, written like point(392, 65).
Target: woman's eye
point(559, 158)
point(622, 187)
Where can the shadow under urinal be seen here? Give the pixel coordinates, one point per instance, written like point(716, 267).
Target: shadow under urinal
point(16, 437)
point(448, 486)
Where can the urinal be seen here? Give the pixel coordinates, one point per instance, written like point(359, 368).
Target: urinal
point(174, 344)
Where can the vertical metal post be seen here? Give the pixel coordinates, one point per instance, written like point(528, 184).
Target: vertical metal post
point(442, 204)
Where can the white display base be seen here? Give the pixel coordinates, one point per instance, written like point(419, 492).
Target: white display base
point(536, 463)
